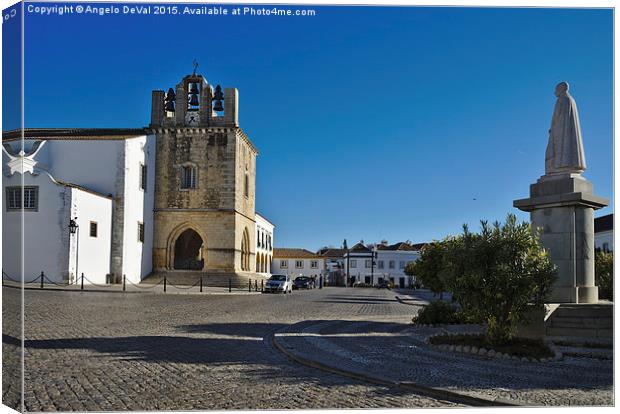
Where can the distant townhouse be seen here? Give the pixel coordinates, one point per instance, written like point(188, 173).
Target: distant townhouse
point(604, 233)
point(334, 265)
point(297, 262)
point(389, 263)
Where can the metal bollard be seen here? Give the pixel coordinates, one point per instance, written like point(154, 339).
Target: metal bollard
point(200, 284)
point(42, 276)
point(164, 284)
point(255, 285)
point(249, 285)
point(262, 287)
point(82, 285)
point(123, 283)
point(229, 285)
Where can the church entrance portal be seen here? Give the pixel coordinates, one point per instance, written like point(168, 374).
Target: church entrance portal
point(188, 251)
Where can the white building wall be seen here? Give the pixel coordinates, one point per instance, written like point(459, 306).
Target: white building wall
point(45, 233)
point(362, 271)
point(264, 243)
point(88, 163)
point(94, 252)
point(138, 256)
point(290, 268)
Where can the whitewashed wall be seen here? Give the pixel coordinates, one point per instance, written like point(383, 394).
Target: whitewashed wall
point(89, 163)
point(137, 256)
point(94, 252)
point(45, 235)
point(362, 273)
point(291, 270)
point(264, 228)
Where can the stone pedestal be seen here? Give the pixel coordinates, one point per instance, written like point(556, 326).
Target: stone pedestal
point(562, 205)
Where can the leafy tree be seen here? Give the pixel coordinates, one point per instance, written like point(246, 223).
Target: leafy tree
point(604, 273)
point(427, 269)
point(498, 274)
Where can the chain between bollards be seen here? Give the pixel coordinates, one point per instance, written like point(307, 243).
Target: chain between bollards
point(82, 284)
point(42, 276)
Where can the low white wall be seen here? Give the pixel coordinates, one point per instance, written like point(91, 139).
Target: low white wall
point(94, 252)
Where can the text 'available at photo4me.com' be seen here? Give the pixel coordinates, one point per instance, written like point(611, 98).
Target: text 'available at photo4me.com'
point(51, 9)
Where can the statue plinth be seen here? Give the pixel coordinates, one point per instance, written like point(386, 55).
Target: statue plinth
point(563, 205)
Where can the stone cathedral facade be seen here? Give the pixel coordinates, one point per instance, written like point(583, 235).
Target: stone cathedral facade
point(204, 215)
point(175, 198)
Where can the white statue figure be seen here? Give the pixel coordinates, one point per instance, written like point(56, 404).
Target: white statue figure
point(565, 148)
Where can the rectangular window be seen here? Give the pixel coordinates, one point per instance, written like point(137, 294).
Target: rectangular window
point(283, 264)
point(188, 177)
point(314, 264)
point(380, 264)
point(353, 263)
point(392, 264)
point(367, 280)
point(368, 264)
point(401, 265)
point(143, 177)
point(246, 186)
point(30, 198)
point(141, 232)
point(93, 229)
point(299, 264)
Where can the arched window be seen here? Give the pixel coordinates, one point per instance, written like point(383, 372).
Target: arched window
point(188, 176)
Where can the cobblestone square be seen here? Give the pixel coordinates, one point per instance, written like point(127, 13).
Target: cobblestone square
point(87, 351)
point(114, 351)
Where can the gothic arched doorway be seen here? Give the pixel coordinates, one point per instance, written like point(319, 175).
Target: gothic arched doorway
point(188, 251)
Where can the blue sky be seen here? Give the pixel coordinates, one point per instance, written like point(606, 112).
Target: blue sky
point(371, 122)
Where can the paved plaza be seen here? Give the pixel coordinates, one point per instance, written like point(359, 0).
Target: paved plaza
point(114, 351)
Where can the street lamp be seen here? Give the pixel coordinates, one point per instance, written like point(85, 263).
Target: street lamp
point(346, 247)
point(74, 228)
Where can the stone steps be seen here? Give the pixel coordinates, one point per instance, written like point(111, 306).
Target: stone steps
point(189, 278)
point(581, 321)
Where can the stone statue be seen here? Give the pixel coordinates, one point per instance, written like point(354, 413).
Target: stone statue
point(565, 148)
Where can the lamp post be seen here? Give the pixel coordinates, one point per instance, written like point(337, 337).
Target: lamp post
point(372, 265)
point(346, 247)
point(74, 228)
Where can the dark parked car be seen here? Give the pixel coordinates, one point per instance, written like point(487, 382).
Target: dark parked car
point(303, 282)
point(384, 284)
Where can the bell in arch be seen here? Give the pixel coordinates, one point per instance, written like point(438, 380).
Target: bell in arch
point(218, 96)
point(193, 100)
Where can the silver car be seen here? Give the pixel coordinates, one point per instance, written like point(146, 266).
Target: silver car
point(279, 283)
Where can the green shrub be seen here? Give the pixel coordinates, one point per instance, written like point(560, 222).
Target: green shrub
point(497, 275)
point(438, 312)
point(427, 269)
point(604, 271)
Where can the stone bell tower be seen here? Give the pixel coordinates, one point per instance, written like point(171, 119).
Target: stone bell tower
point(204, 216)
